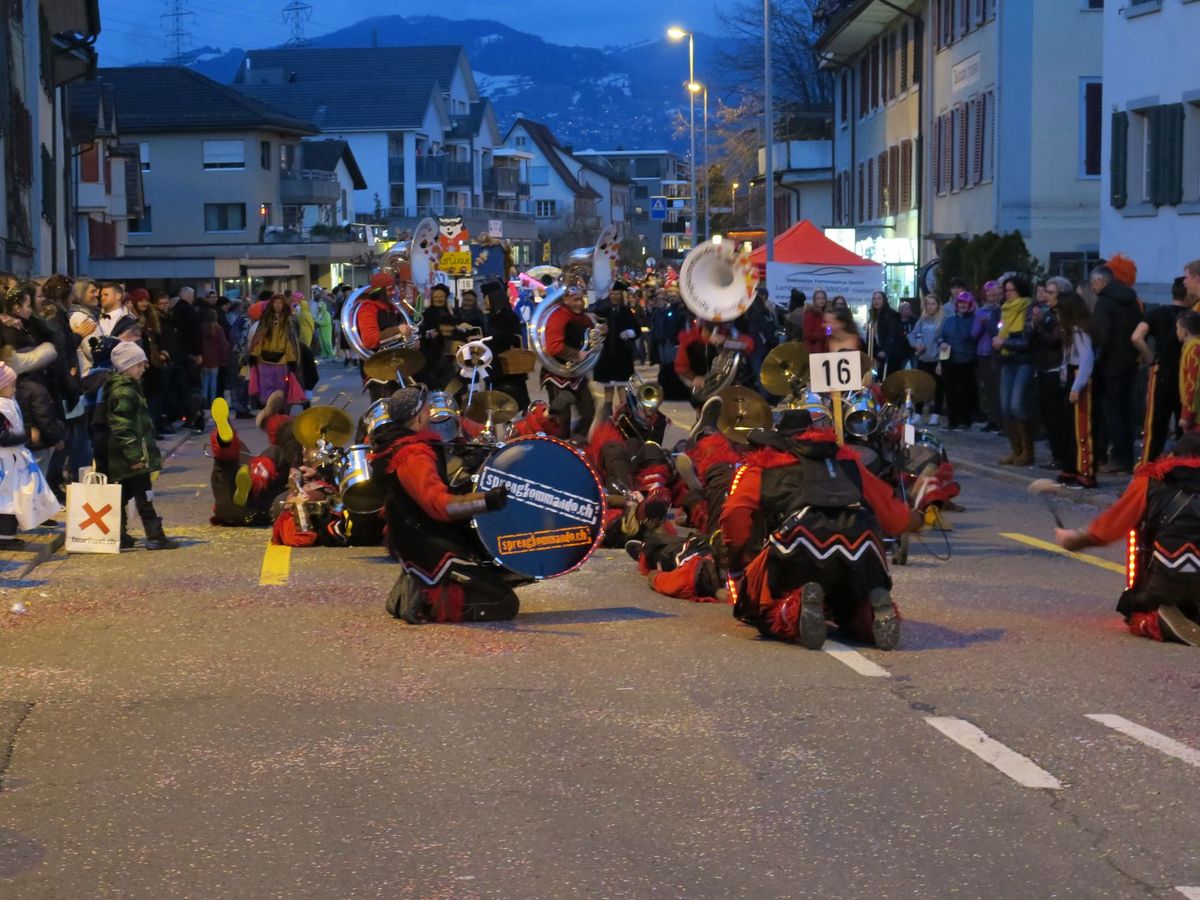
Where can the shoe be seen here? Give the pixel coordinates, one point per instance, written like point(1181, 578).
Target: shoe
point(220, 417)
point(156, 538)
point(634, 549)
point(1014, 440)
point(813, 627)
point(242, 485)
point(1073, 485)
point(276, 404)
point(1175, 623)
point(1025, 436)
point(127, 542)
point(706, 422)
point(1115, 469)
point(886, 627)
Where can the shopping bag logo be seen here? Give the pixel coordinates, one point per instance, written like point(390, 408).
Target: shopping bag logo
point(95, 518)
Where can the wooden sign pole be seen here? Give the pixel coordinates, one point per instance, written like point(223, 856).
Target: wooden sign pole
point(838, 426)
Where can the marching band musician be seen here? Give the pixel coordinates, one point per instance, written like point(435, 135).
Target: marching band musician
point(699, 345)
point(378, 321)
point(428, 526)
point(803, 521)
point(566, 332)
point(244, 485)
point(1162, 503)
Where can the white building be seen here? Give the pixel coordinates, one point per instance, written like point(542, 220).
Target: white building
point(1151, 170)
point(875, 54)
point(1012, 122)
point(557, 188)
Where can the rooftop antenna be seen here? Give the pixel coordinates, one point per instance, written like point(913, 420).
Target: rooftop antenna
point(296, 14)
point(175, 20)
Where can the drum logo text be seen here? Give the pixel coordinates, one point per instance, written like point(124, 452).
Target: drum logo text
point(531, 493)
point(532, 541)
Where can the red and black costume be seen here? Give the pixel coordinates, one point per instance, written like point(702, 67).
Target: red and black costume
point(565, 332)
point(429, 531)
point(697, 351)
point(805, 511)
point(267, 472)
point(1161, 507)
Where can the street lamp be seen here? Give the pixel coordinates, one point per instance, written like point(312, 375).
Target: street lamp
point(675, 33)
point(693, 87)
point(733, 203)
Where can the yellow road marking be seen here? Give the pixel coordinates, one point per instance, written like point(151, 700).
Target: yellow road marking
point(1054, 548)
point(323, 388)
point(275, 564)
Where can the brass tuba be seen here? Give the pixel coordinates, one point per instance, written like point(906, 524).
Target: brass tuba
point(717, 283)
point(596, 268)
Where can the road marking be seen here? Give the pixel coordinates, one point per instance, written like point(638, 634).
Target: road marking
point(855, 660)
point(1192, 893)
point(323, 388)
point(1054, 548)
point(275, 564)
point(1159, 742)
point(1020, 769)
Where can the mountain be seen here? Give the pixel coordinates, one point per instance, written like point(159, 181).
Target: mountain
point(590, 98)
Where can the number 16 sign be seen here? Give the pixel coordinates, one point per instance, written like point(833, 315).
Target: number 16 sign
point(835, 372)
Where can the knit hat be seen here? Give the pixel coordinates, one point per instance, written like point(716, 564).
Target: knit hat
point(126, 355)
point(1123, 268)
point(7, 376)
point(139, 294)
point(380, 282)
point(404, 405)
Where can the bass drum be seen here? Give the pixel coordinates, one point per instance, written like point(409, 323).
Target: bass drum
point(554, 517)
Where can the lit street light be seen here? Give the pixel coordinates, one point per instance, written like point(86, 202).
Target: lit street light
point(733, 203)
point(676, 33)
point(694, 88)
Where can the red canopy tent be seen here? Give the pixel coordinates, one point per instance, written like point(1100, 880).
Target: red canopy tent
point(804, 243)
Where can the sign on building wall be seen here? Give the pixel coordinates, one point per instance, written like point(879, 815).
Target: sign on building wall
point(966, 73)
point(855, 283)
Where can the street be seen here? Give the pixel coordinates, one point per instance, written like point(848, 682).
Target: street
point(234, 720)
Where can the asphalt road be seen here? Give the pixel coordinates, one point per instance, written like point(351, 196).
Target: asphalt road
point(170, 726)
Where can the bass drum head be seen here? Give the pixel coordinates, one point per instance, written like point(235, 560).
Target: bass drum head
point(555, 512)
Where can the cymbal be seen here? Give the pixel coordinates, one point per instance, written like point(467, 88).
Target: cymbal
point(742, 411)
point(784, 366)
point(319, 422)
point(896, 386)
point(384, 364)
point(502, 407)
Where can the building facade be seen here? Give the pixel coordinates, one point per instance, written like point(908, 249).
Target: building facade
point(875, 55)
point(1150, 206)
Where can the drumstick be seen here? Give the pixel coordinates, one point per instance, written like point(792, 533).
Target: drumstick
point(1044, 487)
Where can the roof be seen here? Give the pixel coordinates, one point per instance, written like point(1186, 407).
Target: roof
point(351, 89)
point(325, 155)
point(545, 140)
point(804, 243)
point(172, 98)
point(600, 167)
point(466, 127)
point(852, 24)
point(90, 109)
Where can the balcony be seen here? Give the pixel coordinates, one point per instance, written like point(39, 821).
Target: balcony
point(429, 169)
point(679, 227)
point(467, 212)
point(91, 197)
point(309, 188)
point(459, 174)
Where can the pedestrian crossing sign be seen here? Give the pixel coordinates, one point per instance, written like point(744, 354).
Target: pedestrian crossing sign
point(658, 207)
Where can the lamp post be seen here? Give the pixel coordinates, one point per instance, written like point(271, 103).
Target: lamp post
point(676, 33)
point(769, 116)
point(733, 203)
point(693, 87)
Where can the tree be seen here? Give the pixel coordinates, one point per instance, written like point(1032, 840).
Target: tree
point(798, 81)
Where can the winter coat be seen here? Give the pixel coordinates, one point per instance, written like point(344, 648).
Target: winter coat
point(616, 357)
point(130, 430)
point(214, 347)
point(984, 330)
point(40, 410)
point(1116, 316)
point(956, 331)
point(926, 334)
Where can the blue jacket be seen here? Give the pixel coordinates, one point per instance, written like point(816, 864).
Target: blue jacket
point(956, 331)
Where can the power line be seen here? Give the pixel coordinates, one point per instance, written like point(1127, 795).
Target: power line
point(175, 22)
point(295, 15)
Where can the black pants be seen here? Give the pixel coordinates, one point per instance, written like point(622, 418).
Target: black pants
point(961, 391)
point(1052, 400)
point(582, 401)
point(1162, 405)
point(140, 490)
point(8, 526)
point(1119, 423)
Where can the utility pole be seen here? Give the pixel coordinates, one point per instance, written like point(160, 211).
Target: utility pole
point(296, 15)
point(175, 20)
point(769, 116)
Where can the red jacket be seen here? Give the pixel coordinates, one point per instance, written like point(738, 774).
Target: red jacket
point(414, 463)
point(556, 329)
point(696, 335)
point(1115, 523)
point(367, 319)
point(814, 330)
point(745, 497)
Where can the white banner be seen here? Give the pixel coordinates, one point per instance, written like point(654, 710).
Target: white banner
point(855, 283)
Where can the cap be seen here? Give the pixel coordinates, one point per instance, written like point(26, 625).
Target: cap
point(406, 403)
point(380, 282)
point(126, 355)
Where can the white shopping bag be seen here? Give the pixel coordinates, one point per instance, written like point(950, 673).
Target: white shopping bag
point(34, 502)
point(93, 515)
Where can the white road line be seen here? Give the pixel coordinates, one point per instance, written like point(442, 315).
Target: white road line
point(1020, 769)
point(1159, 742)
point(855, 660)
point(1192, 893)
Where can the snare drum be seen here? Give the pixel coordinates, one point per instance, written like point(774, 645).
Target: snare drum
point(359, 493)
point(554, 517)
point(927, 451)
point(376, 415)
point(861, 414)
point(443, 416)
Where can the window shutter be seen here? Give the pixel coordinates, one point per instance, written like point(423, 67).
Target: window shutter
point(862, 190)
point(1172, 135)
point(904, 58)
point(895, 180)
point(1093, 110)
point(1118, 188)
point(917, 57)
point(864, 85)
point(963, 149)
point(948, 151)
point(884, 185)
point(936, 156)
point(905, 176)
point(871, 188)
point(837, 199)
point(976, 116)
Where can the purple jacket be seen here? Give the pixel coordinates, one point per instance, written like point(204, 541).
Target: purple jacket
point(984, 329)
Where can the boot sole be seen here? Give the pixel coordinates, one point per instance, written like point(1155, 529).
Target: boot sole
point(220, 417)
point(1174, 622)
point(886, 626)
point(242, 481)
point(813, 628)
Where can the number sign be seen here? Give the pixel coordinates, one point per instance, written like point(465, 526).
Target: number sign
point(829, 372)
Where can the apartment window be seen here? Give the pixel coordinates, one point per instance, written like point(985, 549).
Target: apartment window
point(1091, 113)
point(143, 224)
point(895, 200)
point(144, 155)
point(1093, 4)
point(396, 196)
point(521, 140)
point(546, 209)
point(224, 216)
point(906, 173)
point(1146, 167)
point(287, 157)
point(224, 154)
point(264, 155)
point(918, 39)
